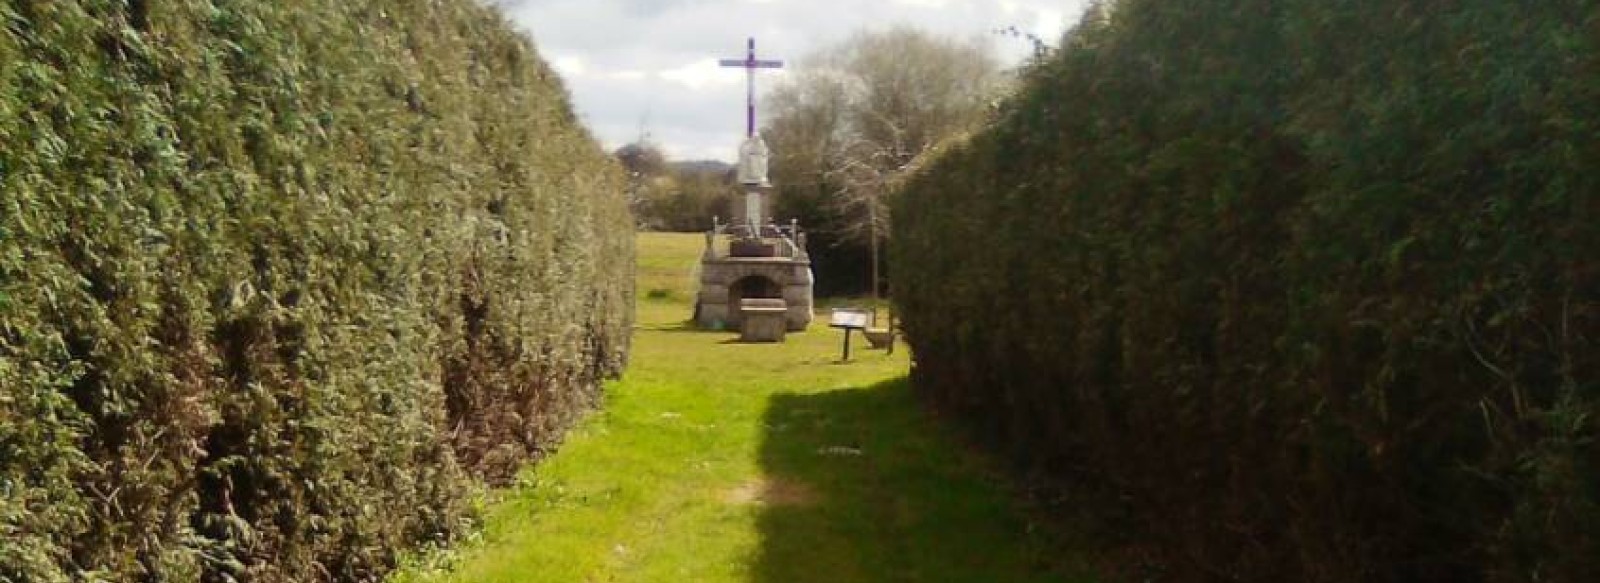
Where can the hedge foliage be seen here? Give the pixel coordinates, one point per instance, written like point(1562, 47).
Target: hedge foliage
point(1287, 290)
point(279, 279)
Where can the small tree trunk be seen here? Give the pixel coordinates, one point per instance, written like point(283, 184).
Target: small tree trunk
point(872, 244)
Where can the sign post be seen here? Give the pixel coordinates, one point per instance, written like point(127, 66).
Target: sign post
point(850, 320)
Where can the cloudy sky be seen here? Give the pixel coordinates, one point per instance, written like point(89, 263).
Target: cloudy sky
point(651, 65)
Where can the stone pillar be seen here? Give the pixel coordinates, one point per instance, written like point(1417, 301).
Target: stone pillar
point(761, 196)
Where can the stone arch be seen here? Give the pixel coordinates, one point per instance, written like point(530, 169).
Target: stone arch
point(751, 286)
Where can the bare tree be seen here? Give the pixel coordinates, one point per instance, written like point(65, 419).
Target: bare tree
point(856, 115)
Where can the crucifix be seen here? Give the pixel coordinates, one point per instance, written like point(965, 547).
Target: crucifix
point(750, 63)
point(753, 153)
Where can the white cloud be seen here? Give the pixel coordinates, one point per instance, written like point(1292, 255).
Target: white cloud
point(569, 66)
point(1051, 24)
point(701, 75)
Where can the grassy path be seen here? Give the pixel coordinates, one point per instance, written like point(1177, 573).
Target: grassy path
point(721, 462)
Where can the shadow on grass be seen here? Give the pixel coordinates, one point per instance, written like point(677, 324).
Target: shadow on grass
point(862, 486)
point(685, 327)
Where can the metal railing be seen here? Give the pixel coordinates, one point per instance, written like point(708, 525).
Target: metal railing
point(789, 240)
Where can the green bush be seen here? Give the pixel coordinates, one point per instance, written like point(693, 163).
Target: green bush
point(278, 279)
point(1286, 290)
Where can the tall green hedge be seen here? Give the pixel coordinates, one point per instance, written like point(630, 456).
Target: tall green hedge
point(279, 279)
point(1287, 290)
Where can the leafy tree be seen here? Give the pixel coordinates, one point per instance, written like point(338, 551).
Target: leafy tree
point(642, 162)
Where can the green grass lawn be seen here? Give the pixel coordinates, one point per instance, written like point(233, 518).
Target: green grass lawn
point(714, 461)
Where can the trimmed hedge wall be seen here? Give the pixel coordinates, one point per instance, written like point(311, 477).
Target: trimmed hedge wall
point(278, 279)
point(1286, 290)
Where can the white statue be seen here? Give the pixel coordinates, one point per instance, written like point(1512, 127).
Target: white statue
point(753, 156)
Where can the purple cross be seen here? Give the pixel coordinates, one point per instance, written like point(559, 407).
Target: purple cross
point(750, 64)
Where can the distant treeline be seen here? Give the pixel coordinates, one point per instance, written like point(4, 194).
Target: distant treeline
point(675, 195)
point(1286, 290)
point(280, 280)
